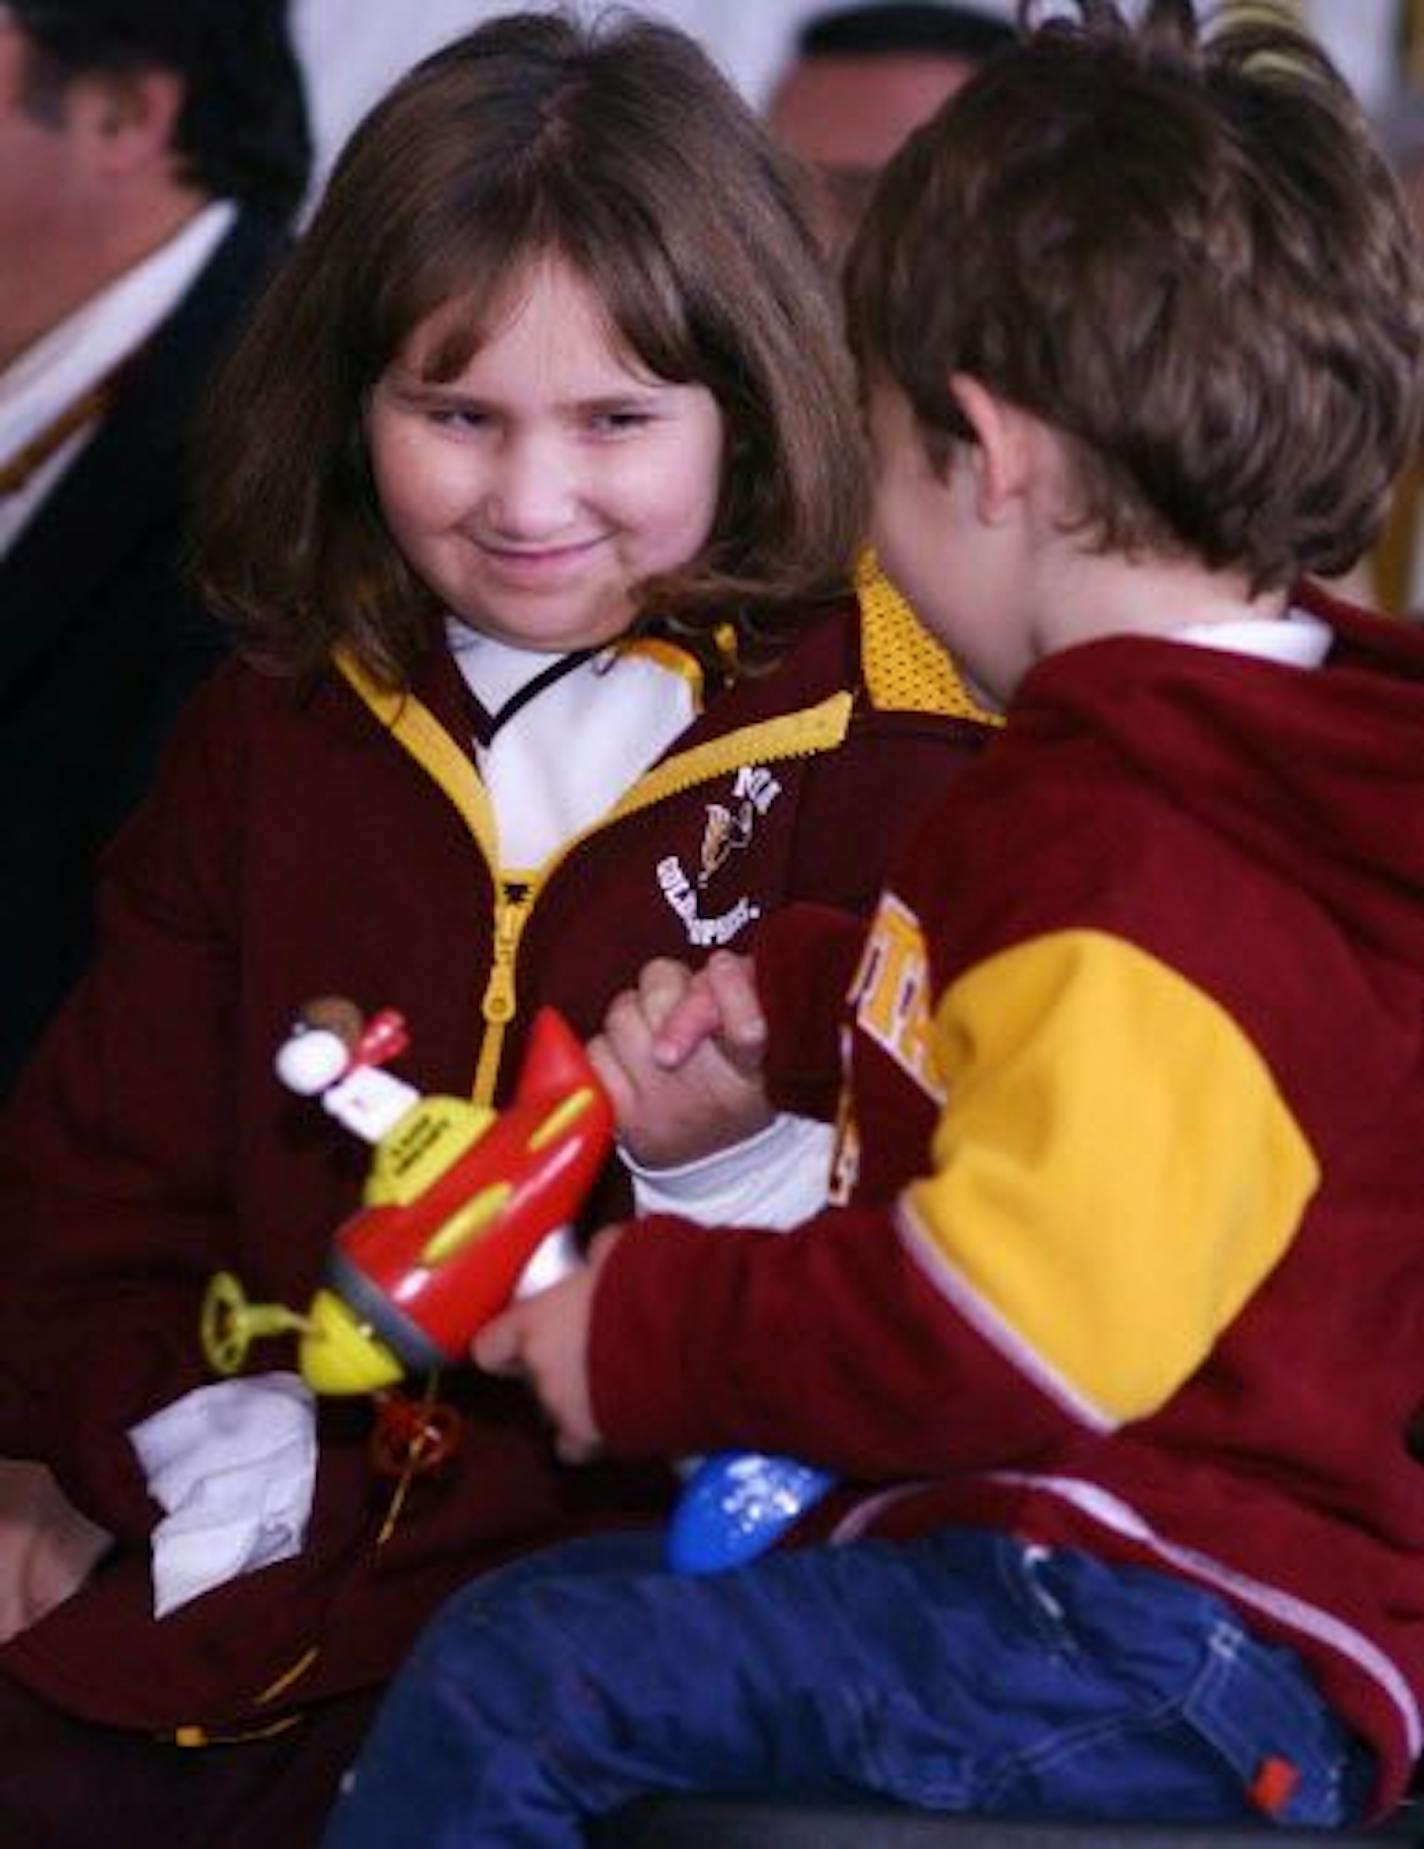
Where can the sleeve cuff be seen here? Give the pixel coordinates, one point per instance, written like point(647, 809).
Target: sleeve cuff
point(774, 1179)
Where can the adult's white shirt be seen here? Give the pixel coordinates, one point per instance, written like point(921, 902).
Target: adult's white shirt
point(73, 357)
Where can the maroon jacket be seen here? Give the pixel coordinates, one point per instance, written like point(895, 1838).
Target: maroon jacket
point(305, 846)
point(1133, 1254)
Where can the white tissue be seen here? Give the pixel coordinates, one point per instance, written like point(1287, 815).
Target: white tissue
point(234, 1467)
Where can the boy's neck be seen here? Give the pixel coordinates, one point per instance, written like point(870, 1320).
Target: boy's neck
point(1087, 596)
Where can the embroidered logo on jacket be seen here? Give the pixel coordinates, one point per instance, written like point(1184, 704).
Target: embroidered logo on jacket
point(729, 828)
point(726, 831)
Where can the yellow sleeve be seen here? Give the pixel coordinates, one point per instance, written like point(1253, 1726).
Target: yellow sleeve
point(1114, 1171)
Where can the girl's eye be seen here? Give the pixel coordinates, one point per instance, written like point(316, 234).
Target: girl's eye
point(617, 423)
point(459, 417)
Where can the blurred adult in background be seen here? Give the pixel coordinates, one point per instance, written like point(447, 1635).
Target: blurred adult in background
point(860, 79)
point(151, 154)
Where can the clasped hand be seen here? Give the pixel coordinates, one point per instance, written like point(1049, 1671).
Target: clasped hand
point(680, 1055)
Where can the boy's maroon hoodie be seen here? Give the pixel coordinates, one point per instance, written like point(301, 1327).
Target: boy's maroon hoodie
point(1135, 1256)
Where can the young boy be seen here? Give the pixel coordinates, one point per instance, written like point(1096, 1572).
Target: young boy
point(1120, 1299)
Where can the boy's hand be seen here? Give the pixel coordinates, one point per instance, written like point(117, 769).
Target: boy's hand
point(544, 1339)
point(680, 1056)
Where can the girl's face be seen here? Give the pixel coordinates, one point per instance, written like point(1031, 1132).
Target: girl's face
point(537, 490)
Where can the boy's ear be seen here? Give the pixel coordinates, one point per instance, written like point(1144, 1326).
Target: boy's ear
point(1001, 452)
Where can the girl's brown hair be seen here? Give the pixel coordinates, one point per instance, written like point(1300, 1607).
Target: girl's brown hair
point(1186, 254)
point(619, 148)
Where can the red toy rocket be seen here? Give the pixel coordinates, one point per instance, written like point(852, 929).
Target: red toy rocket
point(457, 1201)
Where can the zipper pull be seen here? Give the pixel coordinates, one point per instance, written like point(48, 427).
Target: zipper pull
point(498, 1004)
point(499, 1000)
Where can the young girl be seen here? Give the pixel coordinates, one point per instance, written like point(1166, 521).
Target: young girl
point(531, 496)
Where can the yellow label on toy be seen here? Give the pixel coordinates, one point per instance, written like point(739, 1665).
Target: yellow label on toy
point(419, 1149)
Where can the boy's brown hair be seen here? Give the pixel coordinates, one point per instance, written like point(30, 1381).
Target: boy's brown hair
point(619, 148)
point(1183, 252)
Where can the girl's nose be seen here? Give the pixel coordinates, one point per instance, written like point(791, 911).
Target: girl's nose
point(532, 493)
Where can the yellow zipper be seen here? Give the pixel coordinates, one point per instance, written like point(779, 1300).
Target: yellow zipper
point(500, 1002)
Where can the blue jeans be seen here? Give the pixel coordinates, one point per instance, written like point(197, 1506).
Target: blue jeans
point(966, 1671)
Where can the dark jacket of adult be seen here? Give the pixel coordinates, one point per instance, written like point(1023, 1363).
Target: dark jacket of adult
point(101, 640)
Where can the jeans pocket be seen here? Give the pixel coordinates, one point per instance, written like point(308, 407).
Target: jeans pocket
point(1216, 1728)
point(1137, 1766)
point(1257, 1706)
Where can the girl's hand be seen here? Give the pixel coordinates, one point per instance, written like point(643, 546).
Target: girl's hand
point(681, 1057)
point(544, 1340)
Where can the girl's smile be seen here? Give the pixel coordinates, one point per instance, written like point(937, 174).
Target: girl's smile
point(533, 566)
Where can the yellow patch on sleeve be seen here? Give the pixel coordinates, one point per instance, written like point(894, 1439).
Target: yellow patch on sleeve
point(1115, 1171)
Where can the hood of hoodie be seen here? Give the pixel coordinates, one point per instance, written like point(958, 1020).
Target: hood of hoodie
point(1319, 771)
